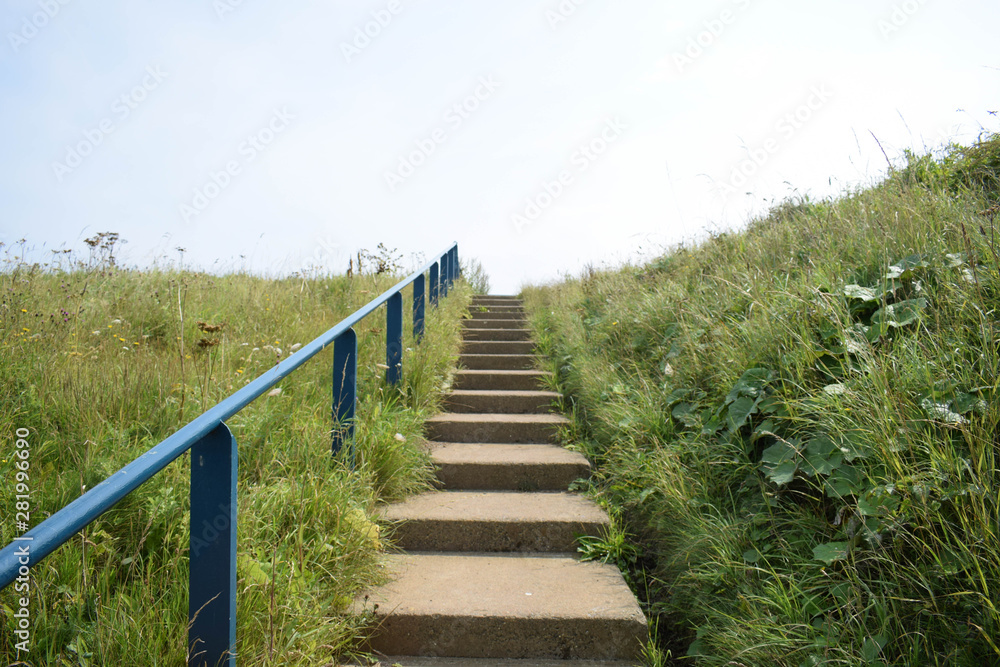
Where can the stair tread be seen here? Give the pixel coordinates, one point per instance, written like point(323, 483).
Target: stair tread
point(427, 661)
point(497, 506)
point(497, 418)
point(486, 453)
point(506, 585)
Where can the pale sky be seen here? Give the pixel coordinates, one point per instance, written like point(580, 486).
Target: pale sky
point(541, 136)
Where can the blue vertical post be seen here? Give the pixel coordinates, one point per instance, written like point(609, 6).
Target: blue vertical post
point(345, 389)
point(456, 271)
point(394, 338)
point(418, 308)
point(445, 272)
point(434, 284)
point(212, 575)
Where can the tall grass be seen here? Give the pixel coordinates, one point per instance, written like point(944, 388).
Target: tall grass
point(101, 362)
point(798, 422)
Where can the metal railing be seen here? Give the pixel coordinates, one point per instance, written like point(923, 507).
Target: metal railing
point(212, 573)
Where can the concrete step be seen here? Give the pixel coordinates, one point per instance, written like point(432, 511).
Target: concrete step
point(425, 661)
point(498, 347)
point(505, 362)
point(498, 314)
point(500, 401)
point(496, 300)
point(491, 466)
point(491, 323)
point(506, 606)
point(517, 380)
point(496, 307)
point(493, 521)
point(476, 427)
point(420, 661)
point(497, 334)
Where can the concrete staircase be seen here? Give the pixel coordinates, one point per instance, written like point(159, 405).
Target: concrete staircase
point(490, 574)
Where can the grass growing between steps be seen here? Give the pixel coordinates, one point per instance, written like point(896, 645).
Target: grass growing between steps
point(797, 425)
point(101, 362)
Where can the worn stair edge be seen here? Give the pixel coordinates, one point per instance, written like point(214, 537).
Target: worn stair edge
point(485, 427)
point(509, 401)
point(498, 347)
point(496, 334)
point(492, 466)
point(494, 521)
point(497, 314)
point(499, 362)
point(485, 323)
point(506, 606)
point(490, 379)
point(424, 661)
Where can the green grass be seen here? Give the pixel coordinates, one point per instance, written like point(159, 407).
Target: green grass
point(797, 425)
point(101, 362)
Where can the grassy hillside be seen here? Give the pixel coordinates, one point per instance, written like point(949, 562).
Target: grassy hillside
point(796, 425)
point(100, 363)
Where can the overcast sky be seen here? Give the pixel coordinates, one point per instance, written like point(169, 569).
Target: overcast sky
point(539, 135)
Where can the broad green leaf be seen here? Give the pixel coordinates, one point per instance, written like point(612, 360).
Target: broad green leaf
point(942, 412)
point(842, 482)
point(836, 389)
point(739, 411)
point(906, 267)
point(751, 556)
point(899, 314)
point(862, 293)
point(872, 648)
point(830, 552)
point(750, 384)
point(779, 453)
point(783, 473)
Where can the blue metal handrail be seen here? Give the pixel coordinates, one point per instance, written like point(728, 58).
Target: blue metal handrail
point(212, 574)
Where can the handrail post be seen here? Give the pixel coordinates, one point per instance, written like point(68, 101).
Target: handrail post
point(345, 389)
point(394, 338)
point(455, 269)
point(212, 575)
point(418, 308)
point(445, 272)
point(435, 284)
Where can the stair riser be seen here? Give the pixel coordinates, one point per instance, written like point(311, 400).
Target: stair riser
point(493, 324)
point(499, 404)
point(496, 334)
point(485, 381)
point(491, 536)
point(498, 347)
point(494, 303)
point(526, 477)
point(494, 314)
point(495, 308)
point(497, 362)
point(491, 432)
point(498, 637)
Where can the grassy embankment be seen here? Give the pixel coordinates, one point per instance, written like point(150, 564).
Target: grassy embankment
point(100, 363)
point(795, 425)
